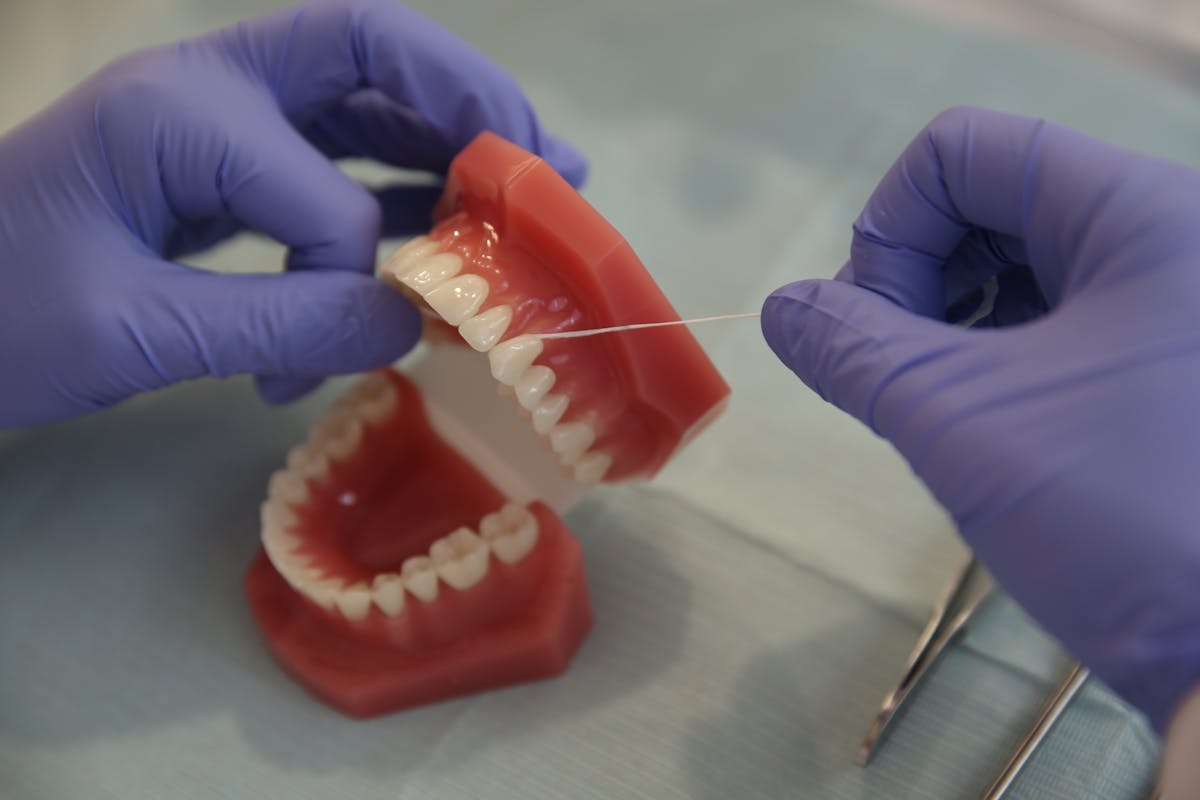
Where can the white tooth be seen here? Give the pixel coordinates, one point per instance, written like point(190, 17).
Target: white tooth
point(592, 467)
point(533, 385)
point(387, 590)
point(509, 359)
point(338, 436)
point(354, 601)
point(307, 462)
point(323, 592)
point(420, 577)
point(459, 298)
point(549, 412)
point(373, 399)
point(406, 257)
point(274, 513)
point(484, 330)
point(571, 440)
point(277, 540)
point(511, 532)
point(432, 272)
point(461, 558)
point(288, 487)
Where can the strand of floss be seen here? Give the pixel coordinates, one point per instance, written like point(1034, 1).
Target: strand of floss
point(643, 325)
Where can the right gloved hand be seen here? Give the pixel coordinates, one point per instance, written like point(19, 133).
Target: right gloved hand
point(1067, 448)
point(171, 149)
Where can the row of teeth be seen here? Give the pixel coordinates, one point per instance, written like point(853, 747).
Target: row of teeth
point(460, 560)
point(337, 435)
point(422, 267)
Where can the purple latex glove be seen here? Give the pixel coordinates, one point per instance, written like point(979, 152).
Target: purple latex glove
point(172, 149)
point(1066, 448)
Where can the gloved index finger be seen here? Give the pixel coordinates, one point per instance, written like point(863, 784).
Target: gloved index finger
point(966, 168)
point(319, 53)
point(970, 168)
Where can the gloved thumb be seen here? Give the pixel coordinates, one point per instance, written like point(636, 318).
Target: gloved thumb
point(303, 325)
point(860, 351)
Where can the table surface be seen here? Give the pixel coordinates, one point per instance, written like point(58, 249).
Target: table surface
point(752, 604)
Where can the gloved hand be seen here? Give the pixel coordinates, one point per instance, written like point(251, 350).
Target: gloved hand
point(1067, 448)
point(169, 150)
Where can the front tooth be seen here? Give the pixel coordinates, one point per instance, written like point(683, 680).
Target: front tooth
point(571, 440)
point(354, 601)
point(483, 331)
point(592, 467)
point(459, 298)
point(549, 412)
point(420, 577)
point(387, 590)
point(511, 532)
point(407, 256)
point(461, 558)
point(510, 359)
point(432, 272)
point(533, 385)
point(287, 486)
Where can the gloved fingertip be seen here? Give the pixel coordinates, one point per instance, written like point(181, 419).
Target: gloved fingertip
point(780, 320)
point(395, 325)
point(566, 160)
point(278, 390)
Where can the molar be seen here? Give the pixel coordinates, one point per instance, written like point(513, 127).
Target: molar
point(373, 400)
point(511, 358)
point(323, 592)
point(510, 532)
point(461, 558)
point(571, 440)
point(354, 602)
point(275, 513)
point(431, 272)
point(548, 412)
point(288, 487)
point(459, 298)
point(387, 591)
point(483, 331)
point(338, 435)
point(306, 461)
point(592, 467)
point(533, 385)
point(420, 577)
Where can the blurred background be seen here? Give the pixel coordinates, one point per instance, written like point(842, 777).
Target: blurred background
point(753, 603)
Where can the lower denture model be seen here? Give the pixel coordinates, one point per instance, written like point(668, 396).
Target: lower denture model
point(413, 548)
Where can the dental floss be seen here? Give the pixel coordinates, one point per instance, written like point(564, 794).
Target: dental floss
point(641, 325)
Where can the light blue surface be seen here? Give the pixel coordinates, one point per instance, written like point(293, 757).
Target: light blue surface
point(752, 605)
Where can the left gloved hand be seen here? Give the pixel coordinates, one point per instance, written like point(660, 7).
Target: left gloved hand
point(172, 149)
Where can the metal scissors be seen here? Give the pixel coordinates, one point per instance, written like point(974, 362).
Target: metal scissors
point(951, 615)
point(962, 597)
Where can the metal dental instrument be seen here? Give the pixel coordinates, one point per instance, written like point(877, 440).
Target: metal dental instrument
point(1050, 714)
point(951, 614)
point(944, 624)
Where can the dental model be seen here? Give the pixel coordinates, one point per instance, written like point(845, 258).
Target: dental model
point(413, 548)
